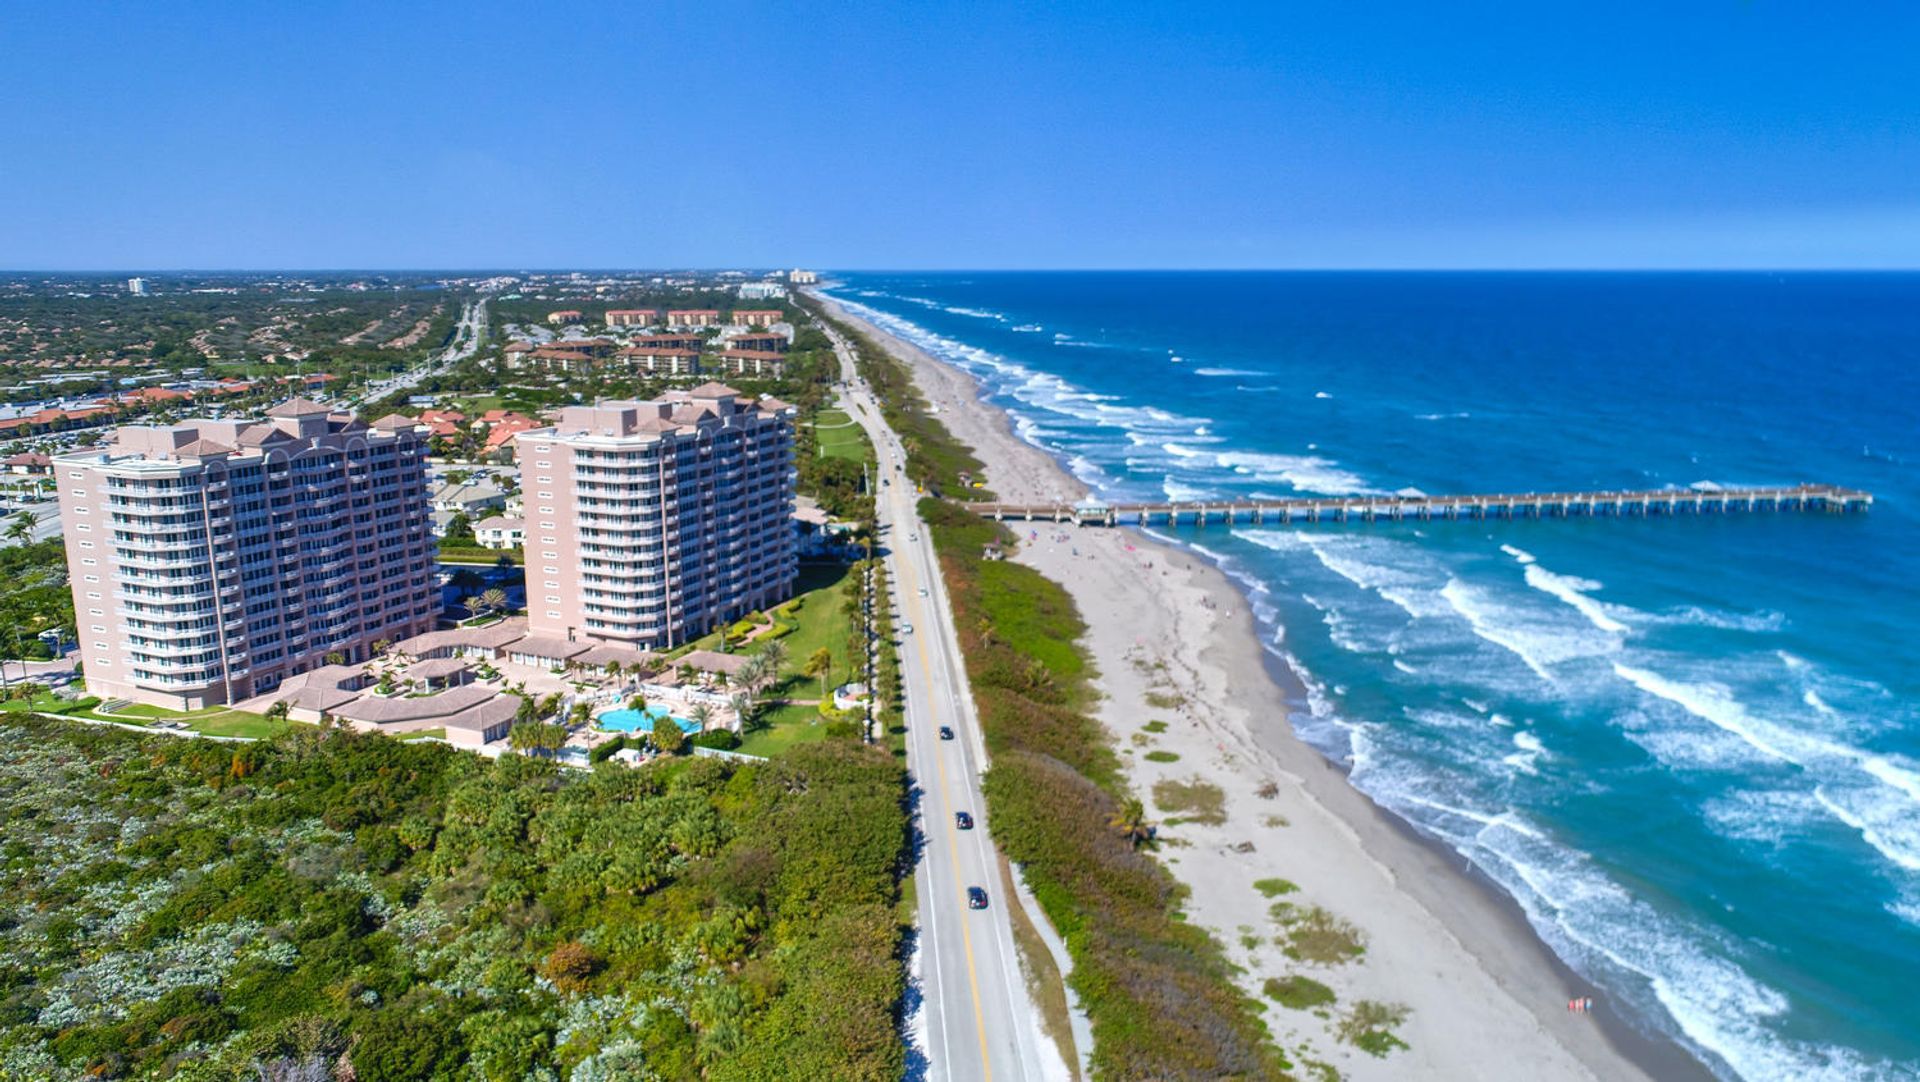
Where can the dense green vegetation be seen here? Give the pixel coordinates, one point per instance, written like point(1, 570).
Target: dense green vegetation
point(1159, 992)
point(329, 902)
point(36, 598)
point(261, 327)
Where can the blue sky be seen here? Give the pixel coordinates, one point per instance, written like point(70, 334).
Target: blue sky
point(1716, 133)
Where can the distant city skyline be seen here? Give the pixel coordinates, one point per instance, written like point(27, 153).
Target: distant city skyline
point(1732, 135)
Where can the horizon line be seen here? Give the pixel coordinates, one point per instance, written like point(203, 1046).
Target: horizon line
point(735, 268)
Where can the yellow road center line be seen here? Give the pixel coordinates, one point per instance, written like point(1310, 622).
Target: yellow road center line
point(953, 848)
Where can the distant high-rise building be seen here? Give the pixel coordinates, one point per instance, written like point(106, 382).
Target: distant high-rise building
point(802, 277)
point(210, 560)
point(137, 286)
point(652, 523)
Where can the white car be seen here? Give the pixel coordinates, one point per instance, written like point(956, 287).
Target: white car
point(906, 629)
point(923, 591)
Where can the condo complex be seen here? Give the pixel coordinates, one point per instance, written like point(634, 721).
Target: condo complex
point(240, 561)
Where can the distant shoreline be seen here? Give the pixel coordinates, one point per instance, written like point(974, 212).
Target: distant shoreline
point(1502, 986)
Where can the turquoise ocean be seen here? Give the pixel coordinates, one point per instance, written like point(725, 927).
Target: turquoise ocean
point(1689, 748)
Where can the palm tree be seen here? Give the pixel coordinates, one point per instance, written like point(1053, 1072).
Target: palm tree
point(744, 708)
point(752, 672)
point(494, 599)
point(700, 715)
point(820, 664)
point(23, 524)
point(775, 655)
point(1130, 819)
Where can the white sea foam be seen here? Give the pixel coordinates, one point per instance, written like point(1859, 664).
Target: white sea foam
point(977, 313)
point(1521, 555)
point(1322, 394)
point(1812, 698)
point(1405, 668)
point(1728, 621)
point(1527, 758)
point(1443, 416)
point(1573, 591)
point(1217, 372)
point(1870, 793)
point(1472, 606)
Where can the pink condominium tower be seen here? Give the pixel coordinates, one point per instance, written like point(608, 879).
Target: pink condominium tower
point(652, 523)
point(209, 560)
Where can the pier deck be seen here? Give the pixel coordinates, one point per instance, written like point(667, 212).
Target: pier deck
point(1825, 498)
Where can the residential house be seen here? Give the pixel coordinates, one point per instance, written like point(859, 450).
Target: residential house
point(500, 532)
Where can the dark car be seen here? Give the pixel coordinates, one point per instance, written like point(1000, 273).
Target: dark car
point(976, 898)
point(963, 821)
point(946, 732)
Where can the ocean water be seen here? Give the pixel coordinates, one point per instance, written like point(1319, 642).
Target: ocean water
point(1690, 748)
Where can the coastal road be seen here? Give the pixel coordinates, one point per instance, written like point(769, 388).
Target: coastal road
point(468, 334)
point(980, 1022)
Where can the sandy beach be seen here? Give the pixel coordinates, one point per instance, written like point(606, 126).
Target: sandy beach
point(1174, 642)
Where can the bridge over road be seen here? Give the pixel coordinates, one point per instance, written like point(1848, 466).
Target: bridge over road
point(1658, 502)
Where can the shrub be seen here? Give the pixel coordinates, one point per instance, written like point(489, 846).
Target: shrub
point(1273, 888)
point(1154, 727)
point(1369, 1027)
point(723, 739)
point(1161, 757)
point(1197, 800)
point(571, 965)
point(1313, 934)
point(1299, 993)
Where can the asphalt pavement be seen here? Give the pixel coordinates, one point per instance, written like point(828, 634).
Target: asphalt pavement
point(979, 1022)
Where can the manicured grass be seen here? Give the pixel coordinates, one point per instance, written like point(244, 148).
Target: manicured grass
point(782, 728)
point(839, 436)
point(1154, 727)
point(144, 710)
point(824, 592)
point(238, 723)
point(424, 734)
point(480, 556)
point(1161, 757)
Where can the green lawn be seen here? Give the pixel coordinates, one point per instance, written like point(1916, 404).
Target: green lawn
point(212, 721)
point(784, 727)
point(825, 591)
point(143, 710)
point(840, 436)
point(424, 734)
point(237, 723)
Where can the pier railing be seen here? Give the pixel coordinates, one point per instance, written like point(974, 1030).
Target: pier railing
point(1825, 498)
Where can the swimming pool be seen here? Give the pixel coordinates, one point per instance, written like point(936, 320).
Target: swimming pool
point(628, 721)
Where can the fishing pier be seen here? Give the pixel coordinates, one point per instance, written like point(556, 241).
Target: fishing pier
point(1829, 499)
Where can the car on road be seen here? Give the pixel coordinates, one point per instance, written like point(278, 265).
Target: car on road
point(962, 821)
point(946, 732)
point(976, 898)
point(913, 537)
point(906, 629)
point(923, 591)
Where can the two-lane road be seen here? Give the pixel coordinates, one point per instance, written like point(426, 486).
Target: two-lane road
point(980, 1022)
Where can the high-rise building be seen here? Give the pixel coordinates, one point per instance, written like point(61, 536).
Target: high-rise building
point(137, 286)
point(209, 560)
point(652, 523)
